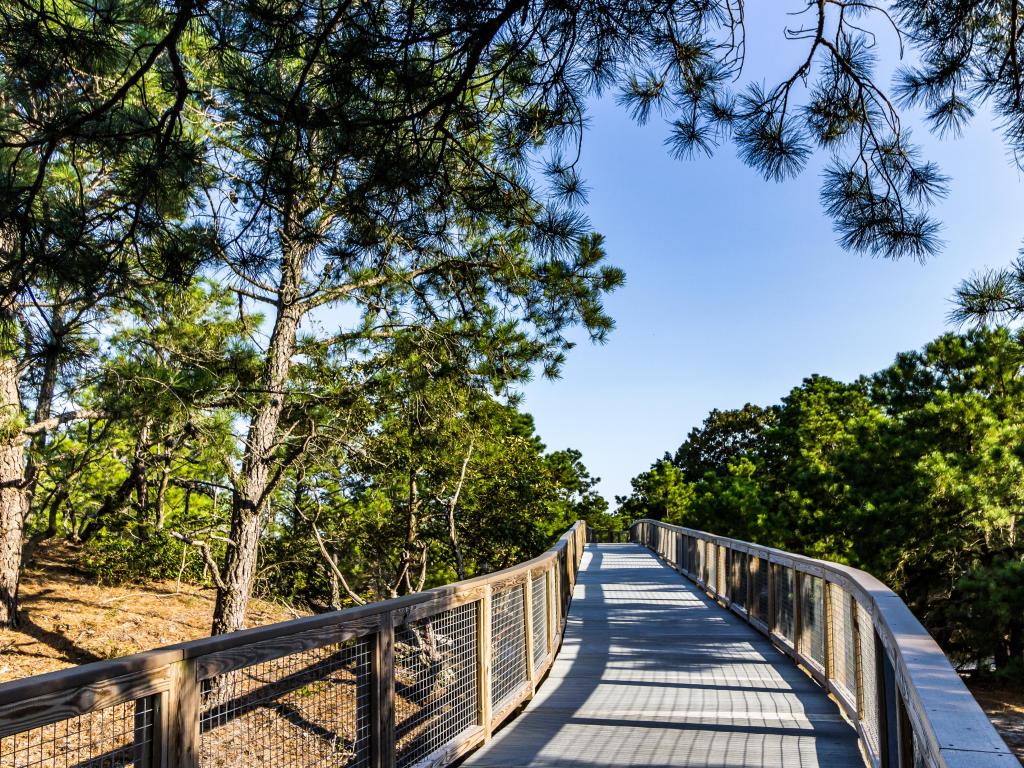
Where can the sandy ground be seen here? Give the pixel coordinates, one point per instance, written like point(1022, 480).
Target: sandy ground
point(68, 619)
point(275, 715)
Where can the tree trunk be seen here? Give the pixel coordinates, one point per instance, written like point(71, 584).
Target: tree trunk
point(253, 485)
point(13, 493)
point(44, 408)
point(335, 585)
point(141, 486)
point(411, 537)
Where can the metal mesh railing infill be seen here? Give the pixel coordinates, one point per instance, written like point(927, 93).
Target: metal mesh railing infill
point(436, 669)
point(539, 608)
point(303, 709)
point(834, 621)
point(111, 737)
point(393, 684)
point(508, 644)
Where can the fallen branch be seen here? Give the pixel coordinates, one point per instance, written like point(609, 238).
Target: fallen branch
point(204, 550)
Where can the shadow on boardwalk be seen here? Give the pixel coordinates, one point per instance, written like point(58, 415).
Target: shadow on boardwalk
point(653, 673)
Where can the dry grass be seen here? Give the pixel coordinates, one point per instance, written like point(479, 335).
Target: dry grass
point(68, 619)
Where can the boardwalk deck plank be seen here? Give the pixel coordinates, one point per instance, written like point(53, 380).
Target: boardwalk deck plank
point(652, 673)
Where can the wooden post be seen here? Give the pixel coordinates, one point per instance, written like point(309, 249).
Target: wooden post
point(773, 598)
point(382, 697)
point(179, 737)
point(484, 649)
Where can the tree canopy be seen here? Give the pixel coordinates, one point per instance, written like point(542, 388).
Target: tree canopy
point(259, 251)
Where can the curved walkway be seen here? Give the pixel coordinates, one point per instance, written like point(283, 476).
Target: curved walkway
point(653, 673)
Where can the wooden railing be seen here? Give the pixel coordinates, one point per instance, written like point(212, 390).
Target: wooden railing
point(855, 636)
point(607, 537)
point(414, 681)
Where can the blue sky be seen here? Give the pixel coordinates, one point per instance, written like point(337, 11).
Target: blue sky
point(736, 289)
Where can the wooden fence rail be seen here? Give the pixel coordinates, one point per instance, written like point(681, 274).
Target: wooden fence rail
point(414, 681)
point(851, 633)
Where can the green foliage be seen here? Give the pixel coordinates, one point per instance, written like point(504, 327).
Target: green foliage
point(661, 493)
point(914, 473)
point(984, 601)
point(383, 204)
point(114, 559)
point(402, 447)
point(454, 484)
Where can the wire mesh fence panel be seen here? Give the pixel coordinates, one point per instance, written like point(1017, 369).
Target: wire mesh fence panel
point(813, 619)
point(112, 737)
point(759, 588)
point(556, 591)
point(785, 579)
point(539, 619)
point(869, 712)
point(309, 708)
point(734, 576)
point(741, 576)
point(436, 696)
point(508, 644)
point(844, 654)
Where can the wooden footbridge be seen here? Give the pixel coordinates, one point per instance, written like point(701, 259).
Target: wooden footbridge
point(676, 648)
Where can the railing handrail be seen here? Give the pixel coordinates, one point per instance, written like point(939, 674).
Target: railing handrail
point(15, 691)
point(943, 715)
point(167, 684)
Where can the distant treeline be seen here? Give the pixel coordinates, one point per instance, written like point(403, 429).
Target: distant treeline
point(915, 473)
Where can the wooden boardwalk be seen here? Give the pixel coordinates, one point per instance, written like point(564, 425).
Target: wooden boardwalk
point(652, 673)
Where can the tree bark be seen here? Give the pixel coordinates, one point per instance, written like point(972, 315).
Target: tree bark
point(138, 472)
point(13, 493)
point(335, 582)
point(253, 484)
point(411, 536)
point(44, 410)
